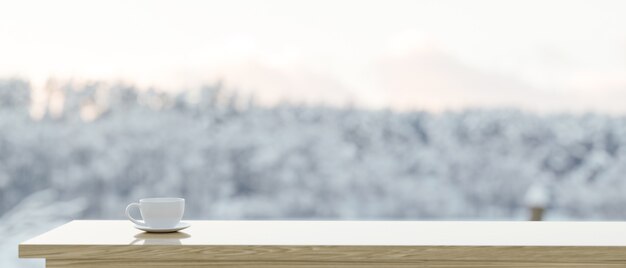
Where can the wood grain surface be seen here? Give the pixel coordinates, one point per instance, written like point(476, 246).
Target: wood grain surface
point(334, 244)
point(259, 264)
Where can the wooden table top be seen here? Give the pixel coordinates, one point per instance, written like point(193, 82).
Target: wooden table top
point(221, 240)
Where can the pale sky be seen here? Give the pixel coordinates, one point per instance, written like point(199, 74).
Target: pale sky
point(537, 55)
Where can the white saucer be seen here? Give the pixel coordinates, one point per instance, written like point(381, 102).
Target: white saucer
point(181, 225)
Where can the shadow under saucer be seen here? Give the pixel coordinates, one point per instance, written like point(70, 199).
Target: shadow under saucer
point(160, 239)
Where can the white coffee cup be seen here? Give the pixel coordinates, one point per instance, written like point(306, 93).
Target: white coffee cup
point(163, 212)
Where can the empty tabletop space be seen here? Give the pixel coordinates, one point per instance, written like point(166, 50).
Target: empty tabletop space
point(333, 243)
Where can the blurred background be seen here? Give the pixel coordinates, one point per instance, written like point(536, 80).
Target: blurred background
point(361, 110)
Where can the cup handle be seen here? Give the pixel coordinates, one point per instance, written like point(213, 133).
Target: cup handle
point(138, 222)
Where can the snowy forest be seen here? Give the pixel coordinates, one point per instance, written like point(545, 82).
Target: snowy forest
point(110, 144)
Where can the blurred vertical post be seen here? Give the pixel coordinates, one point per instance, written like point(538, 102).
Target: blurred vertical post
point(536, 199)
